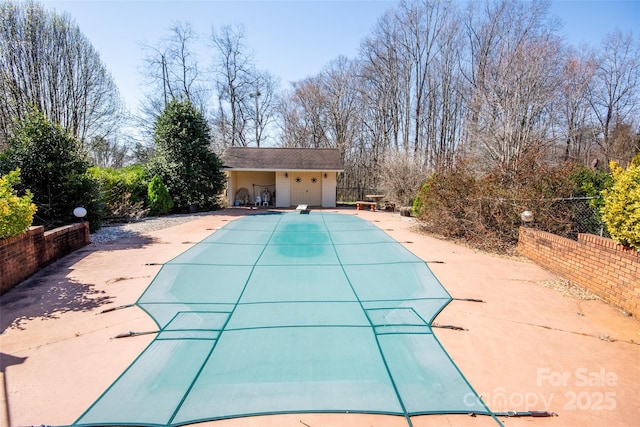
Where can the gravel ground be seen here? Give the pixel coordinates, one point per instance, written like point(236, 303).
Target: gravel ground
point(569, 289)
point(111, 232)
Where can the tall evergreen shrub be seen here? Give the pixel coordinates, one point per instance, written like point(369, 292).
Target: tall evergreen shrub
point(184, 162)
point(54, 167)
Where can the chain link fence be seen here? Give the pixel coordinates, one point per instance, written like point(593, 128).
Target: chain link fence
point(583, 214)
point(567, 217)
point(493, 223)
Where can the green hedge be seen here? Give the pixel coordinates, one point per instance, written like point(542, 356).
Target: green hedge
point(123, 191)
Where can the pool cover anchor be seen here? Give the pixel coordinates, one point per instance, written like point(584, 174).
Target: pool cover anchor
point(135, 334)
point(120, 307)
point(517, 414)
point(468, 299)
point(453, 327)
point(534, 414)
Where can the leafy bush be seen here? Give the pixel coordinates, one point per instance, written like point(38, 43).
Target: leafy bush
point(160, 201)
point(591, 183)
point(123, 191)
point(16, 212)
point(417, 201)
point(54, 168)
point(621, 210)
point(192, 173)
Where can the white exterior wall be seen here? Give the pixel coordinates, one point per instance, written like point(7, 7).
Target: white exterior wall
point(329, 185)
point(231, 187)
point(283, 190)
point(306, 188)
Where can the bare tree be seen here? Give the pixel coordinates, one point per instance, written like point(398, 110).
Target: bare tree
point(401, 176)
point(292, 124)
point(233, 67)
point(483, 36)
point(412, 82)
point(305, 121)
point(381, 88)
point(422, 25)
point(339, 84)
point(513, 74)
point(446, 105)
point(171, 71)
point(614, 94)
point(185, 72)
point(107, 152)
point(45, 61)
point(264, 98)
point(573, 109)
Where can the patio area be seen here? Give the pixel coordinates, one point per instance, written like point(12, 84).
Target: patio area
point(525, 348)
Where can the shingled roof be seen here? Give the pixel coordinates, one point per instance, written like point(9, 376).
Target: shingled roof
point(250, 158)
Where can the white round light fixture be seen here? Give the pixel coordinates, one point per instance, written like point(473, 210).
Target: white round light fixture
point(80, 212)
point(526, 217)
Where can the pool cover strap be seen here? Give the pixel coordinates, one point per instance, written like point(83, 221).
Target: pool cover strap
point(282, 313)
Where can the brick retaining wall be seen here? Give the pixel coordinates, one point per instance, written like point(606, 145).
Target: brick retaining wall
point(23, 255)
point(598, 264)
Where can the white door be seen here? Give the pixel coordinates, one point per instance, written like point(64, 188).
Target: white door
point(306, 188)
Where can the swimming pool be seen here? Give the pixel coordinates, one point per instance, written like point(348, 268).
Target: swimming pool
point(284, 313)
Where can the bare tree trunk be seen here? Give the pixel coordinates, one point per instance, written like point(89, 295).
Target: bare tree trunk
point(234, 78)
point(514, 79)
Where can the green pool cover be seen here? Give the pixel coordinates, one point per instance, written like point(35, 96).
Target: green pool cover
point(283, 313)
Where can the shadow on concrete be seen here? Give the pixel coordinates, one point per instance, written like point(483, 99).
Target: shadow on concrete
point(49, 292)
point(45, 296)
point(7, 360)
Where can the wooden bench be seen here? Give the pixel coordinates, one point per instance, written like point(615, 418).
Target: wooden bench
point(360, 206)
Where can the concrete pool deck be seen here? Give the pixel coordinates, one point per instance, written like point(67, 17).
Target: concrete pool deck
point(527, 347)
